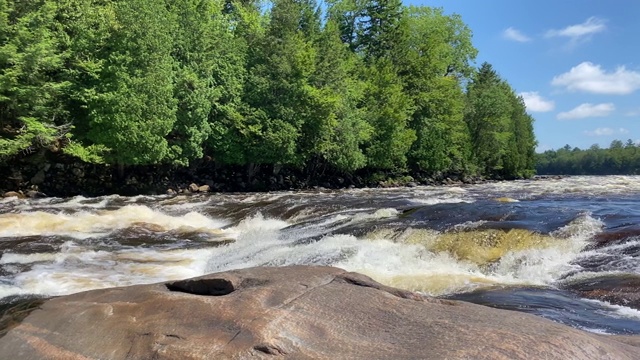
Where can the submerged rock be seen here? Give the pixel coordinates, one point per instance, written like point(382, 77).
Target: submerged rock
point(292, 312)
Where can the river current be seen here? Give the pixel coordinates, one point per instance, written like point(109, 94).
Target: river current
point(567, 249)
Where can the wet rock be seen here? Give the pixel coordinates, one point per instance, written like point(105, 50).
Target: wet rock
point(411, 184)
point(505, 200)
point(616, 289)
point(13, 194)
point(614, 236)
point(194, 188)
point(204, 188)
point(33, 194)
point(295, 313)
point(79, 173)
point(38, 178)
point(171, 192)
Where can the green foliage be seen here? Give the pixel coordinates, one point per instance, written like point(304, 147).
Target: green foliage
point(91, 154)
point(501, 132)
point(438, 60)
point(132, 108)
point(31, 56)
point(388, 110)
point(354, 84)
point(618, 159)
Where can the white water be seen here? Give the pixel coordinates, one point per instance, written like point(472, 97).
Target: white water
point(79, 266)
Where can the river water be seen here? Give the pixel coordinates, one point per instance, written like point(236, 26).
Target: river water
point(567, 249)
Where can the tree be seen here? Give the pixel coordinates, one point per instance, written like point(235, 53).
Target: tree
point(131, 104)
point(342, 91)
point(388, 110)
point(437, 60)
point(204, 68)
point(487, 116)
point(32, 58)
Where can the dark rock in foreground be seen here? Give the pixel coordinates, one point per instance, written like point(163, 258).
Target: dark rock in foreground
point(293, 312)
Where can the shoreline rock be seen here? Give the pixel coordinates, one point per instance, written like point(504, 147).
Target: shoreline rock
point(298, 312)
point(61, 176)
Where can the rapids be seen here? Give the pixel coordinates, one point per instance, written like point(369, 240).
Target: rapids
point(522, 245)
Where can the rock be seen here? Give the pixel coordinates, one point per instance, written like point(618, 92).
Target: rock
point(171, 192)
point(505, 200)
point(204, 188)
point(77, 172)
point(614, 236)
point(193, 188)
point(412, 184)
point(38, 178)
point(615, 289)
point(294, 313)
point(13, 194)
point(33, 194)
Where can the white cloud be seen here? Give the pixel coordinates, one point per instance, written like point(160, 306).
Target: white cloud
point(591, 78)
point(536, 103)
point(587, 110)
point(592, 25)
point(515, 35)
point(606, 132)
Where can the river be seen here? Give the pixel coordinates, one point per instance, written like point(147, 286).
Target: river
point(558, 248)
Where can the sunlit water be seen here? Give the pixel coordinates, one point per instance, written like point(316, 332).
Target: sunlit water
point(519, 245)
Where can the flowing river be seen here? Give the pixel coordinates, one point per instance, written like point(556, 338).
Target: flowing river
point(567, 249)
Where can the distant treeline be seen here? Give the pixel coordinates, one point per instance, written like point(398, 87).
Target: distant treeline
point(619, 158)
point(345, 85)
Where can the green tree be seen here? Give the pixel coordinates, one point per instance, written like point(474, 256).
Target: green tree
point(342, 92)
point(32, 56)
point(131, 105)
point(388, 110)
point(488, 115)
point(438, 59)
point(201, 28)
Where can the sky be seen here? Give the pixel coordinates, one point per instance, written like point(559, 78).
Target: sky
point(576, 63)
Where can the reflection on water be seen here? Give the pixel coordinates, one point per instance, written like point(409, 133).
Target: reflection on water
point(506, 244)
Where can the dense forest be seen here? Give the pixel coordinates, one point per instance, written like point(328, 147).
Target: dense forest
point(619, 158)
point(346, 86)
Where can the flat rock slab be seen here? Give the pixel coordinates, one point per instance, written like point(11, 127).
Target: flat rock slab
point(294, 312)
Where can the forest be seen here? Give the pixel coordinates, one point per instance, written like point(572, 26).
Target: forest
point(344, 85)
point(620, 158)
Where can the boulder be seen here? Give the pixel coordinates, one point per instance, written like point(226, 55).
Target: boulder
point(193, 188)
point(204, 188)
point(38, 178)
point(294, 312)
point(13, 194)
point(619, 289)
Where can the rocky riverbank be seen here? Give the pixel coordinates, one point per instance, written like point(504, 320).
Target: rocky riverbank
point(49, 174)
point(296, 312)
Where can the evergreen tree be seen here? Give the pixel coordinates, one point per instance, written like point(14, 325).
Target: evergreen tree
point(488, 116)
point(388, 110)
point(342, 92)
point(130, 103)
point(438, 59)
point(32, 57)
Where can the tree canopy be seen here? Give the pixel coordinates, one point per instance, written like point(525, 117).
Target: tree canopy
point(350, 85)
point(620, 158)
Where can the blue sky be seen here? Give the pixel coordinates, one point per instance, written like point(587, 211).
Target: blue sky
point(575, 62)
